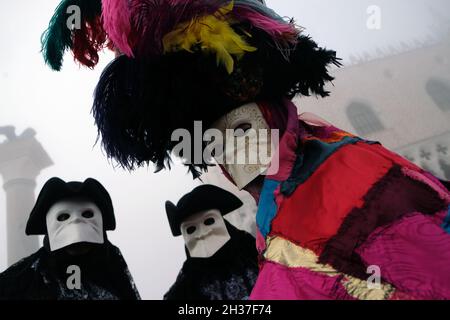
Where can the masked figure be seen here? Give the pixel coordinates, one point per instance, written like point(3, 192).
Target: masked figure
point(221, 260)
point(338, 217)
point(77, 262)
point(344, 218)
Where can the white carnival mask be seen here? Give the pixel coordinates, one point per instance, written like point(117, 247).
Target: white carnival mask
point(74, 221)
point(248, 143)
point(205, 233)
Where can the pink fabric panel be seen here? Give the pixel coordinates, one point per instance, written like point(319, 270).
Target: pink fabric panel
point(398, 295)
point(276, 282)
point(414, 256)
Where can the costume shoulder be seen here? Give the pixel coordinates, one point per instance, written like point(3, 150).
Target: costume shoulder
point(181, 289)
point(22, 281)
point(244, 245)
point(446, 184)
point(229, 275)
point(124, 278)
point(190, 282)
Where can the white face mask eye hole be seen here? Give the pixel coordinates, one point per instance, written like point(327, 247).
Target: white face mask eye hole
point(209, 221)
point(242, 129)
point(63, 217)
point(205, 233)
point(73, 221)
point(191, 230)
point(88, 214)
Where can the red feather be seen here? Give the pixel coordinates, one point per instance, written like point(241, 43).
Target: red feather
point(88, 41)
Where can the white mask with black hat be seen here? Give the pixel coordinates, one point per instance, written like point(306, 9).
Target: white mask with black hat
point(72, 221)
point(70, 213)
point(198, 216)
point(205, 233)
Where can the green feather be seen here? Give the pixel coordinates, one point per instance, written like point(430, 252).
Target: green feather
point(57, 39)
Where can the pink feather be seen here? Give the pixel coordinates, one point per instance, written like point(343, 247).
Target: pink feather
point(137, 27)
point(116, 22)
point(276, 29)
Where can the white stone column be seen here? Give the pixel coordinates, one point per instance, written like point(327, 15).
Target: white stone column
point(21, 160)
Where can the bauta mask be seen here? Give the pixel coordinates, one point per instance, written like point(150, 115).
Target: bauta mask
point(74, 221)
point(248, 143)
point(205, 233)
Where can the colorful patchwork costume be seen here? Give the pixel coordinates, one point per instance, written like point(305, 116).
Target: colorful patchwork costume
point(340, 206)
point(340, 213)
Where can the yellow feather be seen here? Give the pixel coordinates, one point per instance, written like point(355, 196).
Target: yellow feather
point(227, 9)
point(213, 34)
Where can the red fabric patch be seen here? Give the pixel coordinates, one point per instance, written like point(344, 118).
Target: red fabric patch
point(391, 198)
point(314, 213)
point(393, 156)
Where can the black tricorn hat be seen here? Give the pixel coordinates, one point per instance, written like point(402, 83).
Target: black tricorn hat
point(202, 198)
point(56, 190)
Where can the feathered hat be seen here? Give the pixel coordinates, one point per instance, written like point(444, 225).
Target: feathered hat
point(182, 61)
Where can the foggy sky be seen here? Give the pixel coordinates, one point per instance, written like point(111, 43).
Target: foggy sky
point(57, 106)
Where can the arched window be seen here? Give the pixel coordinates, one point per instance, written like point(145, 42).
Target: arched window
point(439, 91)
point(363, 119)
